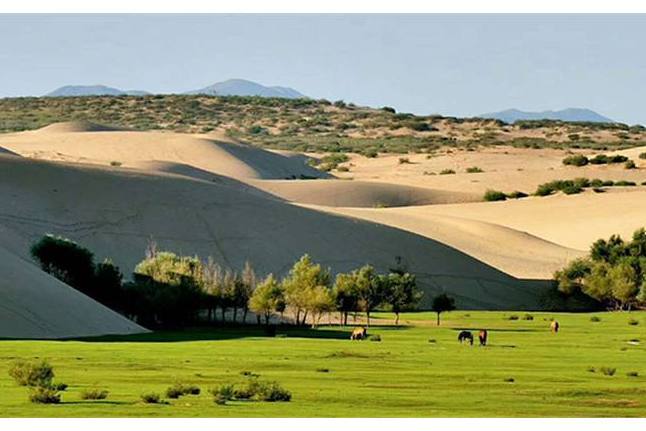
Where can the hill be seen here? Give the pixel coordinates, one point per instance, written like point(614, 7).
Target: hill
point(243, 87)
point(92, 90)
point(510, 116)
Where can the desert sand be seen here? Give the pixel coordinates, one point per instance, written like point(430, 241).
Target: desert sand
point(208, 195)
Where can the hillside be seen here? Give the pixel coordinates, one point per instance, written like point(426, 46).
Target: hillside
point(243, 87)
point(312, 125)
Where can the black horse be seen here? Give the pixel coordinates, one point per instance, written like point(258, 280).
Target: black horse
point(465, 336)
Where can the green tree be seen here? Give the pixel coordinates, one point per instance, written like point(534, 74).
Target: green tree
point(401, 292)
point(268, 298)
point(346, 295)
point(370, 290)
point(65, 260)
point(442, 303)
point(304, 277)
point(108, 287)
point(249, 282)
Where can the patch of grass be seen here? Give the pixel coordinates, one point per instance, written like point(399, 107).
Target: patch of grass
point(608, 371)
point(447, 172)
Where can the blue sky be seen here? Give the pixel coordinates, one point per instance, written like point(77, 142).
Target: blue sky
point(449, 64)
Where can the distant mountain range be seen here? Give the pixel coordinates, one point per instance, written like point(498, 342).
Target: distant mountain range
point(231, 87)
point(569, 114)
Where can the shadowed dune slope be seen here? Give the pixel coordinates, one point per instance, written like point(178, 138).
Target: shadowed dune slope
point(343, 193)
point(70, 142)
point(514, 252)
point(34, 304)
point(115, 213)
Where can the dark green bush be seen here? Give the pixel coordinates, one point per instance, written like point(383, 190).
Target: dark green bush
point(624, 183)
point(44, 395)
point(576, 160)
point(642, 156)
point(608, 371)
point(494, 195)
point(517, 195)
point(474, 170)
point(447, 172)
point(180, 389)
point(630, 165)
point(151, 398)
point(595, 319)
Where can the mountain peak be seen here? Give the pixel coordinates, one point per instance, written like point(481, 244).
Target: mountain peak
point(244, 87)
point(568, 114)
point(92, 90)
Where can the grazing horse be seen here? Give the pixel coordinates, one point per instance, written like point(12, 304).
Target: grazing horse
point(465, 335)
point(554, 326)
point(359, 333)
point(482, 336)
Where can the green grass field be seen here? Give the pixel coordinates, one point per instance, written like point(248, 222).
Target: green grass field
point(417, 370)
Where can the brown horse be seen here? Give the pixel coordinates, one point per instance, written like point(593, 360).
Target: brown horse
point(359, 333)
point(554, 326)
point(482, 336)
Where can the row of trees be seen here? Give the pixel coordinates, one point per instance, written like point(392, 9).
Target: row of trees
point(168, 290)
point(614, 272)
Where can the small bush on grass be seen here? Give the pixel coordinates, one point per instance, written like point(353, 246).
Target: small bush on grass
point(632, 374)
point(222, 394)
point(180, 389)
point(608, 371)
point(528, 317)
point(44, 395)
point(59, 386)
point(94, 394)
point(592, 370)
point(633, 322)
point(595, 319)
point(512, 317)
point(474, 170)
point(27, 373)
point(447, 172)
point(374, 337)
point(151, 398)
point(322, 370)
point(494, 195)
point(509, 380)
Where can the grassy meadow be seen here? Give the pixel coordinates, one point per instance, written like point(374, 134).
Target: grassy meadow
point(416, 370)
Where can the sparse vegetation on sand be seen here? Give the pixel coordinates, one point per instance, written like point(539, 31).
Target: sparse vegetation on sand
point(311, 125)
point(406, 360)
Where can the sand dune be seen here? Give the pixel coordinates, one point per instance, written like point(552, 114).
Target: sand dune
point(514, 252)
point(343, 193)
point(115, 212)
point(73, 142)
point(574, 221)
point(36, 305)
point(77, 127)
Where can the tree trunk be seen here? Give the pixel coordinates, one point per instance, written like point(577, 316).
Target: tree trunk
point(235, 314)
point(345, 318)
point(438, 319)
point(368, 318)
point(304, 317)
point(397, 318)
point(244, 314)
point(298, 317)
point(258, 318)
point(224, 314)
